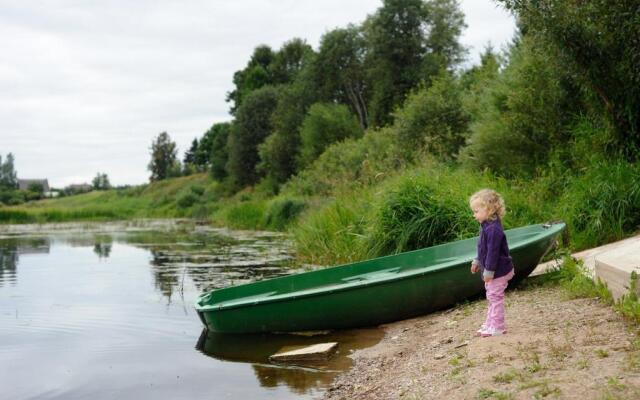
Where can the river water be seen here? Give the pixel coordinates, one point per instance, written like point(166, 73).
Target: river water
point(105, 311)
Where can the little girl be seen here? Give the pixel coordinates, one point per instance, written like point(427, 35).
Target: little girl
point(493, 258)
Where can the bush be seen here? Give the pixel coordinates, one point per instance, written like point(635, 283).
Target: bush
point(198, 190)
point(326, 124)
point(12, 197)
point(187, 199)
point(349, 164)
point(282, 212)
point(433, 119)
point(526, 113)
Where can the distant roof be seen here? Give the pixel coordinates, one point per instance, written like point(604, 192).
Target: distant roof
point(24, 184)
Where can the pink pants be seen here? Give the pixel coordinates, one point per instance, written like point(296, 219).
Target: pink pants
point(495, 296)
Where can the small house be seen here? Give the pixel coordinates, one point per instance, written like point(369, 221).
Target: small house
point(26, 184)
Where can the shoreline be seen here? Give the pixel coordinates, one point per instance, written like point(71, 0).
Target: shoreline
point(555, 348)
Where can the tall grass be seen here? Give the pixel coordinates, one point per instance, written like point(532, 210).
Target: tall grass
point(336, 232)
point(415, 215)
point(603, 204)
point(242, 215)
point(426, 206)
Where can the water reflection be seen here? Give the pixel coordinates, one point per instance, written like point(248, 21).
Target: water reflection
point(89, 301)
point(208, 258)
point(303, 377)
point(10, 251)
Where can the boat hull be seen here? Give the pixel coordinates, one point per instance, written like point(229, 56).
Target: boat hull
point(369, 296)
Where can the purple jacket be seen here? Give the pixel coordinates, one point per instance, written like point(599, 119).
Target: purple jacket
point(493, 251)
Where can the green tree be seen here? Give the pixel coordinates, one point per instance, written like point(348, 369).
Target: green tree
point(164, 161)
point(279, 153)
point(254, 76)
point(524, 114)
point(8, 174)
point(252, 126)
point(267, 67)
point(219, 153)
point(599, 42)
point(190, 155)
point(289, 61)
point(326, 124)
point(101, 181)
point(409, 41)
point(433, 119)
point(339, 70)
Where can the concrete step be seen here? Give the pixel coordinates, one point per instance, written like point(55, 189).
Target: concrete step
point(588, 256)
point(612, 263)
point(614, 267)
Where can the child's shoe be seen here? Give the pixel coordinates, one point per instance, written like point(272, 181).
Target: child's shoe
point(483, 328)
point(493, 332)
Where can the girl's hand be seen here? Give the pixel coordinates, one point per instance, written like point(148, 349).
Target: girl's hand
point(474, 268)
point(487, 279)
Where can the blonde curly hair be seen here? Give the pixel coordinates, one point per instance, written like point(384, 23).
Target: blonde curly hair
point(491, 200)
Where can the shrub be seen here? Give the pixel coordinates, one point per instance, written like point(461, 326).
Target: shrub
point(326, 124)
point(525, 114)
point(186, 199)
point(282, 212)
point(198, 190)
point(349, 164)
point(433, 119)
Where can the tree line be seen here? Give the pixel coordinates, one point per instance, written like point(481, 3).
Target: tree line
point(289, 104)
point(564, 95)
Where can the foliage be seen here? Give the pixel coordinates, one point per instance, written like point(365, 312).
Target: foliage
point(283, 211)
point(603, 204)
point(267, 67)
point(408, 41)
point(218, 156)
point(190, 155)
point(629, 304)
point(418, 214)
point(189, 196)
point(349, 164)
point(339, 70)
point(433, 119)
point(599, 42)
point(242, 215)
point(334, 233)
point(279, 152)
point(251, 128)
point(254, 76)
point(577, 282)
point(101, 182)
point(164, 162)
point(8, 174)
point(524, 114)
point(326, 124)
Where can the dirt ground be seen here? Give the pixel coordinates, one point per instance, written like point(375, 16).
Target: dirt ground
point(555, 348)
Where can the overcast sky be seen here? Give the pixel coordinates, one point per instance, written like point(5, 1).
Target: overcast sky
point(86, 85)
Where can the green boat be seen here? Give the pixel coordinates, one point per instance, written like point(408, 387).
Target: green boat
point(367, 293)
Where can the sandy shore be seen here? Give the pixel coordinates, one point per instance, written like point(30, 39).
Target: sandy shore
point(555, 348)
